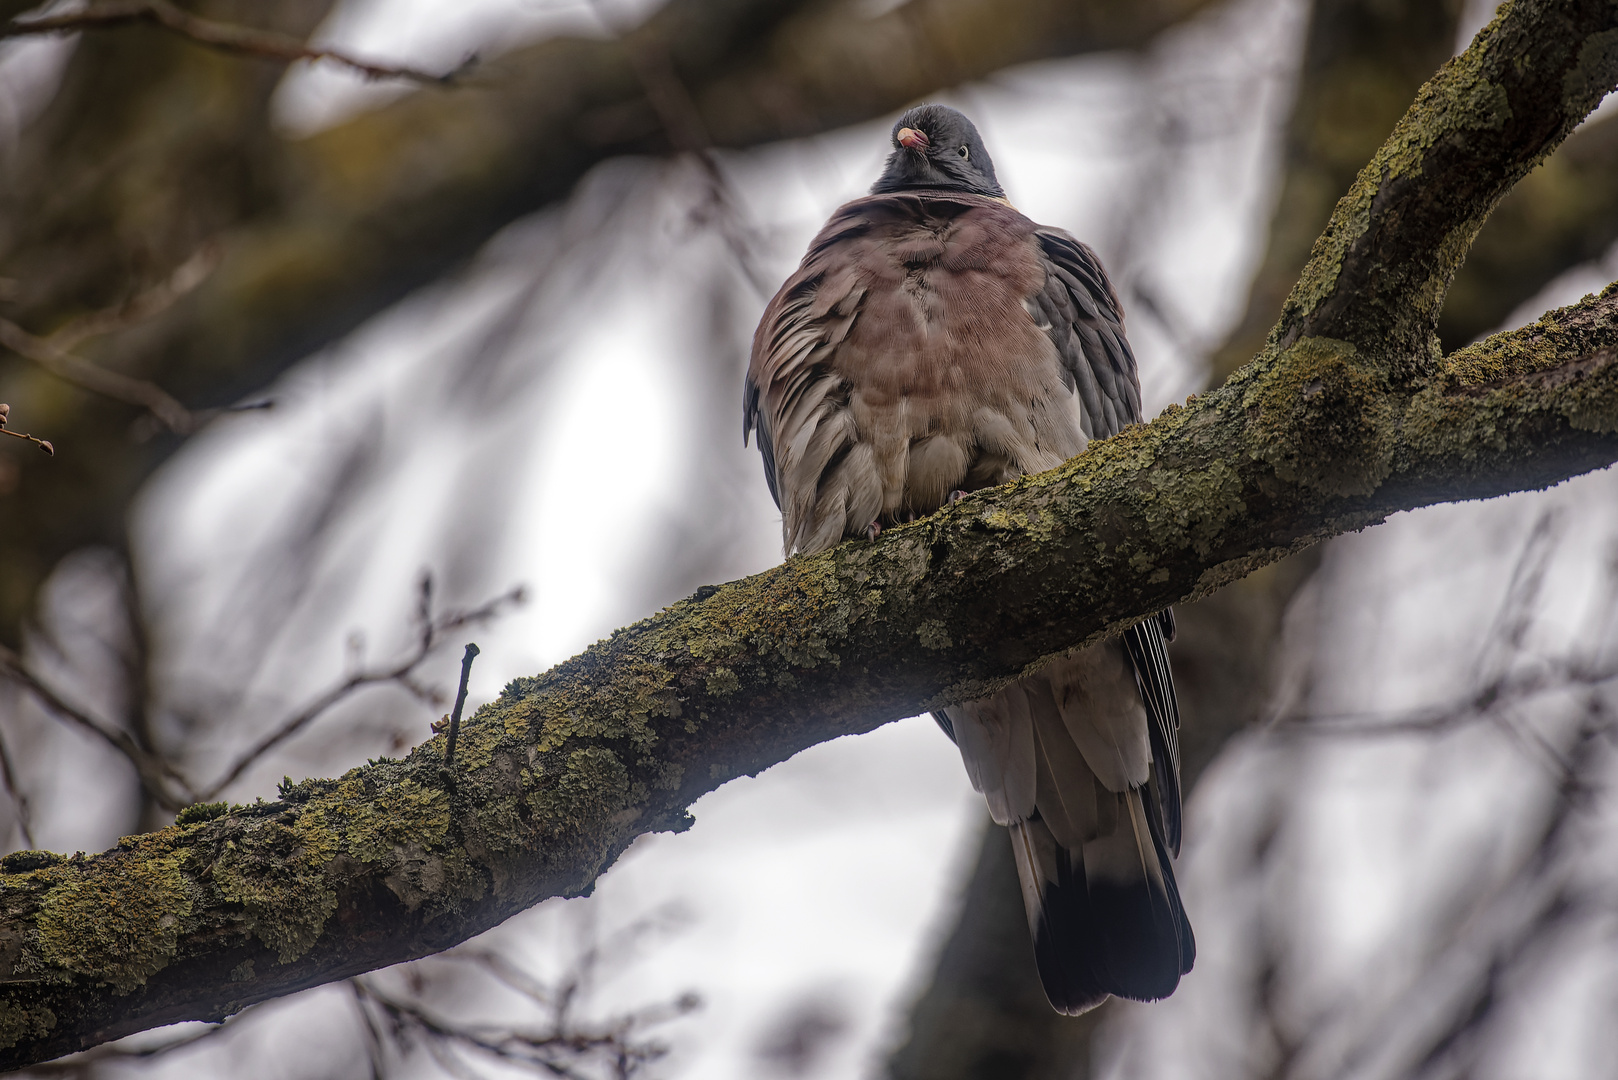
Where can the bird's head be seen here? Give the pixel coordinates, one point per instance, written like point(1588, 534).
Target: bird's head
point(936, 147)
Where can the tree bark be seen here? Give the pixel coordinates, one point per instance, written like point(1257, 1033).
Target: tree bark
point(1563, 214)
point(1348, 415)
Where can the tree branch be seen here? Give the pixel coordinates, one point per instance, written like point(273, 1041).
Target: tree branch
point(227, 37)
point(1318, 436)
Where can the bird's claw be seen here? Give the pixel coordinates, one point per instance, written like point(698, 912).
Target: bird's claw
point(873, 530)
point(955, 497)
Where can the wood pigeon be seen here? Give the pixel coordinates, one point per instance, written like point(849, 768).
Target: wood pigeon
point(932, 342)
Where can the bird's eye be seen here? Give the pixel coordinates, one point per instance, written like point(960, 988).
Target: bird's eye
point(965, 153)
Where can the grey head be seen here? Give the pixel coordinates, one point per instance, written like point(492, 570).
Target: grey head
point(936, 147)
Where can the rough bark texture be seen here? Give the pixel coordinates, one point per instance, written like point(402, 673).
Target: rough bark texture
point(1363, 60)
point(1347, 416)
point(156, 148)
point(1562, 214)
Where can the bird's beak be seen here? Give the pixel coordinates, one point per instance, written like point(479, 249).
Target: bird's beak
point(911, 139)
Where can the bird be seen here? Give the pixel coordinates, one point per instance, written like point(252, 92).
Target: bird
point(935, 341)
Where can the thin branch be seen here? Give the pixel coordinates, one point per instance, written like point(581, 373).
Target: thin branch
point(144, 305)
point(682, 123)
point(431, 634)
point(374, 1051)
point(98, 380)
point(558, 1048)
point(18, 798)
point(156, 775)
point(226, 37)
point(460, 703)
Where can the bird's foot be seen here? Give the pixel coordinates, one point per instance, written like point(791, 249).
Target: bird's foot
point(873, 530)
point(955, 497)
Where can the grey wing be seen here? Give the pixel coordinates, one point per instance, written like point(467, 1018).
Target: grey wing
point(751, 420)
point(1080, 311)
point(1148, 652)
point(1086, 324)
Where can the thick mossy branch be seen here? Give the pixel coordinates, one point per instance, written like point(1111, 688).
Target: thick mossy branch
point(553, 780)
point(1378, 275)
point(1319, 435)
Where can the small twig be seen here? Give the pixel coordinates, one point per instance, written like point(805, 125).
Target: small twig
point(5, 414)
point(373, 1036)
point(145, 305)
point(155, 774)
point(64, 365)
point(226, 37)
point(55, 353)
point(460, 703)
point(432, 633)
point(556, 1051)
point(18, 798)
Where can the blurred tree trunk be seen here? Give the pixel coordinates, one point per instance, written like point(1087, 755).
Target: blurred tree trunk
point(157, 154)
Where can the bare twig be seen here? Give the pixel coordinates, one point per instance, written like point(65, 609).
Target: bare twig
point(19, 799)
point(561, 1046)
point(144, 305)
point(1501, 685)
point(5, 415)
point(157, 776)
point(460, 703)
point(373, 1035)
point(170, 789)
point(55, 353)
point(226, 37)
point(430, 634)
point(64, 365)
point(681, 120)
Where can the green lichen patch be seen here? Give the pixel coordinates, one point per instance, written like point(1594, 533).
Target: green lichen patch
point(1591, 77)
point(117, 922)
point(19, 1022)
point(277, 873)
point(933, 634)
point(594, 788)
point(1546, 344)
point(19, 862)
point(722, 683)
point(376, 828)
point(1322, 417)
point(197, 813)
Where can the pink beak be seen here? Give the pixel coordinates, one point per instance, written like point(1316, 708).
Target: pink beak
point(911, 139)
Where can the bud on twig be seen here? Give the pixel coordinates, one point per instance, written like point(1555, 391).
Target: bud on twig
point(5, 414)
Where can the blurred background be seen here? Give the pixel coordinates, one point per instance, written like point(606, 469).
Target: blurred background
point(346, 364)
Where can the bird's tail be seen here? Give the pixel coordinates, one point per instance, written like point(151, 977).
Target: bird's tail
point(1106, 916)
